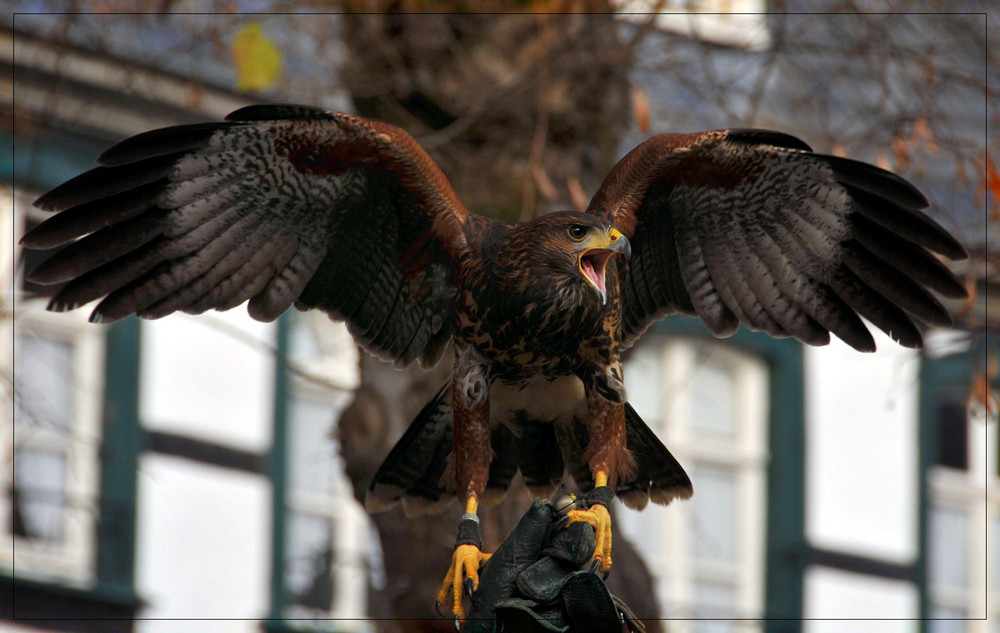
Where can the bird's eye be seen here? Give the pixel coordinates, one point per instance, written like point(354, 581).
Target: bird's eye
point(577, 232)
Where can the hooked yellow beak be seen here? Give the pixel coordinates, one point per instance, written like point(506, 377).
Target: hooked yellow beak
point(595, 255)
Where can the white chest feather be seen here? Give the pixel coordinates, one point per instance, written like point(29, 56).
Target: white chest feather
point(541, 398)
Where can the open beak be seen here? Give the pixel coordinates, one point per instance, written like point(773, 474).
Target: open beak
point(595, 255)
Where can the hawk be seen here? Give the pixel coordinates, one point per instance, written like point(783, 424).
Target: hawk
point(281, 205)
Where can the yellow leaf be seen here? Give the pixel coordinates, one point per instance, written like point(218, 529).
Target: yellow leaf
point(257, 59)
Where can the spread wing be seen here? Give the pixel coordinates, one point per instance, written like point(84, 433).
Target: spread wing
point(750, 226)
point(277, 205)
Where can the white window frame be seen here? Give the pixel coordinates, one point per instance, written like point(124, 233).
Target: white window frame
point(72, 559)
point(326, 376)
point(975, 492)
point(676, 572)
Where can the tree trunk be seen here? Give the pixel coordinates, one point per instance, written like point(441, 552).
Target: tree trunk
point(523, 113)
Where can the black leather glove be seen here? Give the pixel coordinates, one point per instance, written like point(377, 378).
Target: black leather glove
point(542, 580)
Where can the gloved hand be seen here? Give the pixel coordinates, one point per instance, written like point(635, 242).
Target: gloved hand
point(542, 580)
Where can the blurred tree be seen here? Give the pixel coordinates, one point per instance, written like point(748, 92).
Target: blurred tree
point(525, 113)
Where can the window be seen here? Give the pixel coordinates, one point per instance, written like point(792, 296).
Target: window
point(963, 522)
point(738, 23)
point(708, 403)
point(952, 436)
point(327, 543)
point(53, 368)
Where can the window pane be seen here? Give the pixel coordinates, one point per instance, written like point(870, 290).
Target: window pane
point(44, 378)
point(994, 545)
point(713, 395)
point(714, 512)
point(301, 338)
point(714, 626)
point(645, 382)
point(952, 436)
point(947, 620)
point(39, 495)
point(313, 455)
point(309, 564)
point(948, 563)
point(714, 599)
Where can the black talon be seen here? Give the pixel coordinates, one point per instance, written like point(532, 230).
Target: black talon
point(458, 623)
point(468, 586)
point(437, 607)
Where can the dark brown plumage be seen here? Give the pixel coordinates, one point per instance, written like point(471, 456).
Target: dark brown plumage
point(287, 204)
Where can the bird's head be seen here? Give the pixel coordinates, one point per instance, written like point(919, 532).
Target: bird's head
point(581, 245)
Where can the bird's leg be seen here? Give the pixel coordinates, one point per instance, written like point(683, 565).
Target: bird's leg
point(465, 562)
point(597, 515)
point(472, 454)
point(609, 460)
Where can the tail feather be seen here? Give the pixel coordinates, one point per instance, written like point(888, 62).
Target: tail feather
point(660, 477)
point(541, 459)
point(419, 472)
point(572, 440)
point(415, 467)
point(527, 445)
point(506, 453)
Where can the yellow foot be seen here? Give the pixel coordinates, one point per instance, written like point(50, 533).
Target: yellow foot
point(598, 517)
point(465, 563)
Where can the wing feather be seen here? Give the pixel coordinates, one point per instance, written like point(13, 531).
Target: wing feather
point(878, 182)
point(277, 205)
point(250, 279)
point(89, 217)
point(908, 258)
point(107, 278)
point(776, 288)
point(186, 281)
point(761, 231)
point(887, 316)
point(894, 285)
point(753, 293)
point(709, 300)
point(100, 247)
point(909, 223)
point(161, 142)
point(103, 182)
point(283, 289)
point(799, 266)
